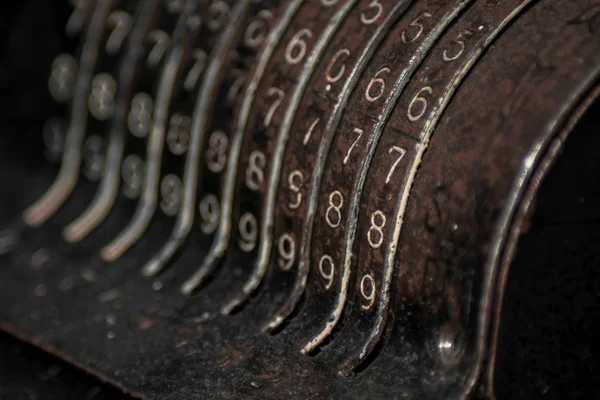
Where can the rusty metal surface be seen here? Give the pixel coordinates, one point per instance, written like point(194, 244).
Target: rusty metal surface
point(329, 211)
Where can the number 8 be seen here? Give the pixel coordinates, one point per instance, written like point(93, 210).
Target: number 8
point(376, 228)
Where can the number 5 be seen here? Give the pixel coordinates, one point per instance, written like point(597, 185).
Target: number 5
point(418, 25)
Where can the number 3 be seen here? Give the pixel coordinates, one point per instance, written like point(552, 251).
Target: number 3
point(373, 5)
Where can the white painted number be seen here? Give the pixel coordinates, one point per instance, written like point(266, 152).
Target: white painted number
point(310, 131)
point(296, 48)
point(419, 100)
point(178, 136)
point(174, 6)
point(218, 11)
point(257, 30)
point(248, 232)
point(255, 172)
point(209, 212)
point(295, 180)
point(216, 155)
point(401, 152)
point(332, 76)
point(375, 234)
point(78, 17)
point(418, 26)
point(62, 77)
point(170, 189)
point(102, 97)
point(93, 157)
point(327, 270)
point(334, 214)
point(193, 76)
point(376, 86)
point(279, 95)
point(54, 134)
point(367, 289)
point(133, 175)
point(287, 251)
point(120, 22)
point(377, 8)
point(358, 132)
point(139, 119)
point(461, 47)
point(161, 42)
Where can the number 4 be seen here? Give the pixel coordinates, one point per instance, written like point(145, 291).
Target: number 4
point(401, 152)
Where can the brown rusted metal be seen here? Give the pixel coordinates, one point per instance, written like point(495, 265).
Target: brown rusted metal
point(353, 181)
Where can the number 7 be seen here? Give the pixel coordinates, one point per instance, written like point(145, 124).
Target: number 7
point(401, 152)
point(360, 133)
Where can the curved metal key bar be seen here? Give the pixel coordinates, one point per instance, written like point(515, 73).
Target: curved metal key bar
point(221, 240)
point(65, 182)
point(60, 80)
point(319, 111)
point(212, 149)
point(478, 165)
point(273, 152)
point(404, 139)
point(97, 110)
point(185, 32)
point(196, 135)
point(360, 129)
point(145, 25)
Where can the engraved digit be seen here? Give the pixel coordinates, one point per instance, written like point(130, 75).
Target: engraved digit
point(461, 47)
point(419, 27)
point(93, 157)
point(77, 18)
point(235, 89)
point(378, 83)
point(248, 232)
point(178, 136)
point(102, 97)
point(62, 77)
point(174, 6)
point(133, 175)
point(161, 43)
point(327, 275)
point(120, 21)
point(329, 3)
point(218, 10)
point(192, 77)
point(359, 132)
point(209, 212)
point(257, 31)
point(255, 175)
point(287, 251)
point(216, 155)
point(367, 282)
point(418, 99)
point(334, 209)
point(296, 48)
point(378, 221)
point(401, 152)
point(295, 189)
point(139, 119)
point(170, 189)
point(54, 137)
point(276, 103)
point(376, 5)
point(342, 68)
point(310, 131)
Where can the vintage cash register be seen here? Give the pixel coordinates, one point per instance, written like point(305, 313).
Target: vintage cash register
point(300, 199)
